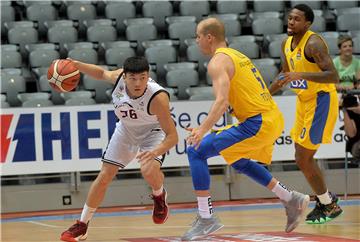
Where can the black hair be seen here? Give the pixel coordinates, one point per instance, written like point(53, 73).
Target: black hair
point(308, 12)
point(136, 64)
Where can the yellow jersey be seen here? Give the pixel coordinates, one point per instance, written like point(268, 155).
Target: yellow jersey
point(297, 62)
point(248, 95)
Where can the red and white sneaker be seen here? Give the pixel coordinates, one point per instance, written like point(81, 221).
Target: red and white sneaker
point(160, 209)
point(76, 232)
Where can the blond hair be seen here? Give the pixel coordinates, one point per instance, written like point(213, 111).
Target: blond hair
point(214, 27)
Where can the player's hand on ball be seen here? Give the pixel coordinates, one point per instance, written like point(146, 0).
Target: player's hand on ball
point(195, 136)
point(146, 156)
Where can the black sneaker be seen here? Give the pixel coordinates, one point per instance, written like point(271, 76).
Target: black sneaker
point(324, 213)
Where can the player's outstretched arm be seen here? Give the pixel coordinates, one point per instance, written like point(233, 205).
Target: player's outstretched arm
point(160, 107)
point(97, 72)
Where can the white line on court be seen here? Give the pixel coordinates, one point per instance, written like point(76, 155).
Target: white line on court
point(43, 224)
point(179, 226)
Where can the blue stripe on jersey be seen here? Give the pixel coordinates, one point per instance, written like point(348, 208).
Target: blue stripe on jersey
point(320, 117)
point(236, 134)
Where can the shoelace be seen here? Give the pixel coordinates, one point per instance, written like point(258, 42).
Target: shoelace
point(330, 207)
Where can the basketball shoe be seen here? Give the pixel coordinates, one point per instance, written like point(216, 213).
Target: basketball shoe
point(324, 213)
point(76, 232)
point(160, 209)
point(295, 209)
point(202, 227)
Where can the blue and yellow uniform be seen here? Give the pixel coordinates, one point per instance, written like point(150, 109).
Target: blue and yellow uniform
point(260, 123)
point(316, 104)
point(260, 120)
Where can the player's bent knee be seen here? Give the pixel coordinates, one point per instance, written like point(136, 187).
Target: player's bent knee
point(104, 178)
point(107, 174)
point(150, 168)
point(241, 165)
point(192, 153)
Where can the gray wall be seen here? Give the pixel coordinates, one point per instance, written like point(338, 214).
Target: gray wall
point(227, 186)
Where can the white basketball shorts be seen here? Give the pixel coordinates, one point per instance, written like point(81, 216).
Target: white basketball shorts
point(121, 151)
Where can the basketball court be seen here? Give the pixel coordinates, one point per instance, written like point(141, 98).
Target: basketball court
point(261, 220)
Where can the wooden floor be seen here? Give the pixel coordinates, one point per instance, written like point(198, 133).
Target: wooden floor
point(246, 222)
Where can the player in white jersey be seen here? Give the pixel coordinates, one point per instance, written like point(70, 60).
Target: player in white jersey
point(145, 132)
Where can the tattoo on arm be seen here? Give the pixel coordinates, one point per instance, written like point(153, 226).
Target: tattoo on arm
point(317, 49)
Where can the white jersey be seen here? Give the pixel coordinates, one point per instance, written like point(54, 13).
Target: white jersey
point(133, 114)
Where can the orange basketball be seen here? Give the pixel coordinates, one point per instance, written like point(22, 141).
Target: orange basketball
point(63, 76)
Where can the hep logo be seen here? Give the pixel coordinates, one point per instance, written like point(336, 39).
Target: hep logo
point(24, 135)
point(5, 141)
point(18, 142)
point(299, 84)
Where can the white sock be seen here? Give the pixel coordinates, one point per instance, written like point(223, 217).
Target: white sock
point(158, 192)
point(325, 198)
point(205, 207)
point(87, 214)
point(282, 192)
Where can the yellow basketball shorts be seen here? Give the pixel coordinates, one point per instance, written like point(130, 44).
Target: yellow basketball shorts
point(252, 139)
point(315, 120)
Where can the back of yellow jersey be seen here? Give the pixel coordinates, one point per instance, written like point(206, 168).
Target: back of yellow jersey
point(248, 94)
point(297, 62)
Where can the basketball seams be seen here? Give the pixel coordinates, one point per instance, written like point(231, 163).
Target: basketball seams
point(62, 78)
point(58, 80)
